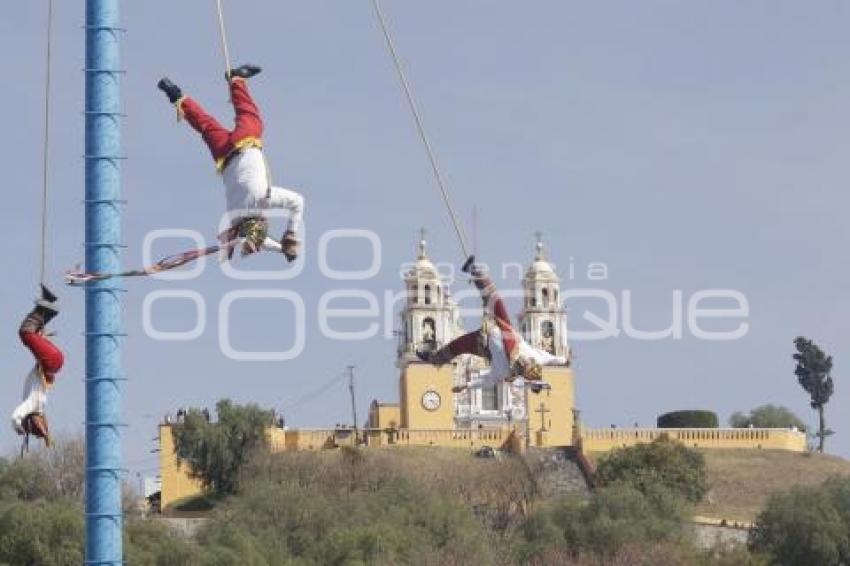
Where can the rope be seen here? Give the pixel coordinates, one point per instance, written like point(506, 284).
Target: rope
point(420, 127)
point(223, 33)
point(46, 143)
point(227, 67)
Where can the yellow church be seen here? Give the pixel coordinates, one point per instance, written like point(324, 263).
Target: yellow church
point(504, 416)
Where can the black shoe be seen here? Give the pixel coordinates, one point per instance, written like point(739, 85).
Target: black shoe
point(243, 72)
point(48, 295)
point(46, 306)
point(424, 356)
point(469, 264)
point(171, 90)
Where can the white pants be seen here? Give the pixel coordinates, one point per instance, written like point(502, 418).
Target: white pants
point(247, 190)
point(35, 399)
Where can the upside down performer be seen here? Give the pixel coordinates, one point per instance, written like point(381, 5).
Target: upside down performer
point(512, 359)
point(29, 418)
point(240, 161)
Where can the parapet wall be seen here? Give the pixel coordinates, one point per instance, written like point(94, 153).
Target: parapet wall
point(605, 439)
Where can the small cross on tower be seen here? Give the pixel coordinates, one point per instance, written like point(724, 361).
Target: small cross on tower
point(539, 236)
point(422, 243)
point(543, 410)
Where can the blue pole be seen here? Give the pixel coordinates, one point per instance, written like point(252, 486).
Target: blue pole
point(103, 300)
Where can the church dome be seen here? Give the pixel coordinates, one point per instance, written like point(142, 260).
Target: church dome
point(424, 267)
point(540, 266)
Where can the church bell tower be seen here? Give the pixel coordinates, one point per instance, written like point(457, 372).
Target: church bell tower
point(543, 321)
point(430, 317)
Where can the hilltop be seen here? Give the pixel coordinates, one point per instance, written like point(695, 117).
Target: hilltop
point(742, 480)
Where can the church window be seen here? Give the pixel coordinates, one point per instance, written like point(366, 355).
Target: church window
point(490, 398)
point(547, 336)
point(429, 332)
point(545, 298)
point(427, 294)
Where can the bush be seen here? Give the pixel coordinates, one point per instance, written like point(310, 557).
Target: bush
point(151, 542)
point(767, 416)
point(43, 533)
point(617, 518)
point(399, 522)
point(660, 464)
point(45, 474)
point(805, 526)
point(688, 419)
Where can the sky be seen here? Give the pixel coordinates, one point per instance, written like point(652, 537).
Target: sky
point(687, 146)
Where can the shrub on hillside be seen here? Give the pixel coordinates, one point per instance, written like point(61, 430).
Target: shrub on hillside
point(152, 542)
point(807, 525)
point(45, 474)
point(47, 533)
point(688, 419)
point(500, 493)
point(398, 522)
point(660, 464)
point(615, 519)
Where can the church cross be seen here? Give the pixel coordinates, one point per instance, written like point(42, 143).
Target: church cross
point(542, 409)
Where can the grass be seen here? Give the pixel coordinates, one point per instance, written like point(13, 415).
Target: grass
point(742, 480)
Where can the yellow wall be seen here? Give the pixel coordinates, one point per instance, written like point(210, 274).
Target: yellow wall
point(555, 427)
point(276, 437)
point(176, 483)
point(303, 439)
point(605, 439)
point(415, 380)
point(384, 415)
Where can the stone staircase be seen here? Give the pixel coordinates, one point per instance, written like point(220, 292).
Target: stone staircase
point(559, 472)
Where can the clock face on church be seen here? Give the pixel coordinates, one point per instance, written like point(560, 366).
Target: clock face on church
point(431, 400)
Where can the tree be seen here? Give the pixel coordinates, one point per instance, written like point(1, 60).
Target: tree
point(661, 463)
point(767, 416)
point(215, 452)
point(807, 525)
point(813, 373)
